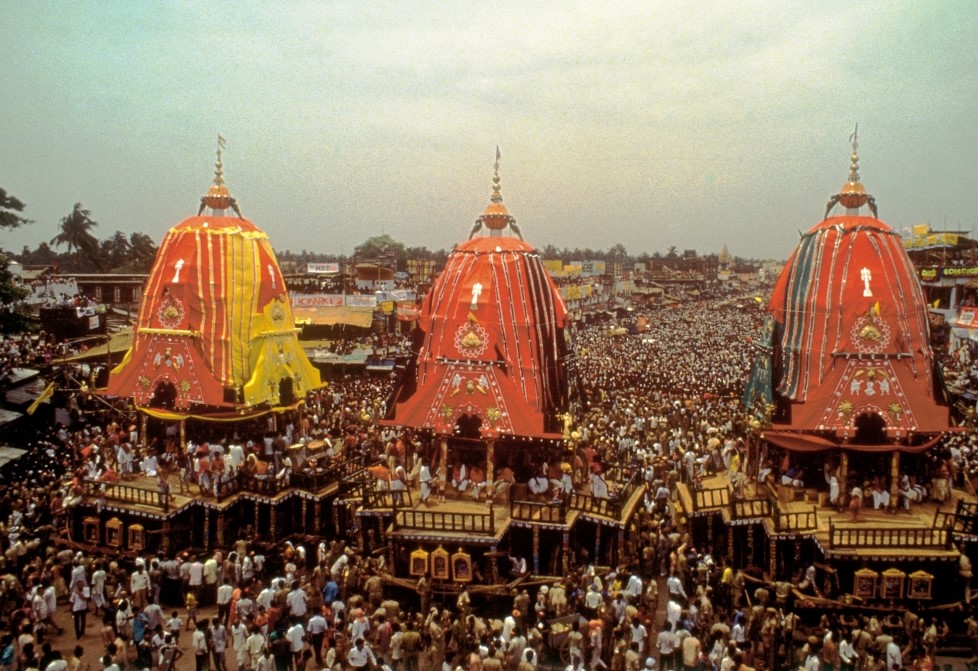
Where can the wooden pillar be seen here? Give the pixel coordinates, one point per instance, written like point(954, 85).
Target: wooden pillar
point(220, 528)
point(565, 551)
point(257, 519)
point(183, 435)
point(621, 547)
point(750, 544)
point(895, 479)
point(772, 560)
point(493, 567)
point(272, 514)
point(709, 529)
point(843, 474)
point(536, 550)
point(317, 507)
point(165, 541)
point(207, 527)
point(490, 466)
point(730, 543)
point(143, 425)
point(444, 458)
point(305, 512)
point(597, 545)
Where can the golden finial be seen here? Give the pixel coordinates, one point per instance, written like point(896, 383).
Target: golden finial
point(218, 197)
point(218, 165)
point(854, 159)
point(497, 197)
point(496, 217)
point(853, 194)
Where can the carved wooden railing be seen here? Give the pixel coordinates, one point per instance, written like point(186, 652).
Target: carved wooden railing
point(746, 509)
point(855, 537)
point(379, 499)
point(535, 511)
point(710, 499)
point(964, 519)
point(611, 506)
point(433, 520)
point(123, 491)
point(796, 521)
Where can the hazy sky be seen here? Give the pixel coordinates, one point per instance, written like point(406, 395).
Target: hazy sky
point(651, 123)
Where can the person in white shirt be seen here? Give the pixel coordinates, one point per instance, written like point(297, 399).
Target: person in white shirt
point(894, 658)
point(297, 601)
point(634, 588)
point(254, 647)
point(847, 654)
point(360, 655)
point(297, 637)
point(139, 586)
point(676, 591)
point(239, 634)
point(79, 607)
point(317, 628)
point(425, 479)
point(224, 594)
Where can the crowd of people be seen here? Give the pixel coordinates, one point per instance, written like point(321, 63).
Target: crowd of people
point(664, 402)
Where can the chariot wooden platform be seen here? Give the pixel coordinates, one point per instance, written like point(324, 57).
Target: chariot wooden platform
point(342, 499)
point(546, 533)
point(781, 533)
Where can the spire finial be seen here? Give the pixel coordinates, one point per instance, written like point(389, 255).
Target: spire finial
point(497, 197)
point(495, 217)
point(218, 165)
point(854, 159)
point(218, 198)
point(853, 194)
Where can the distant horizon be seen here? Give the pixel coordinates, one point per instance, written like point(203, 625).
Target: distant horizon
point(675, 123)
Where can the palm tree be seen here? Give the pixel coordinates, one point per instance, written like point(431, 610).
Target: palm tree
point(143, 249)
point(76, 234)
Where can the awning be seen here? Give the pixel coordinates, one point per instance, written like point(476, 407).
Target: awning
point(802, 442)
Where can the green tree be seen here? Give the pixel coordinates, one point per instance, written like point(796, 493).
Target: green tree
point(143, 250)
point(380, 246)
point(116, 251)
point(12, 293)
point(617, 253)
point(10, 209)
point(550, 252)
point(76, 234)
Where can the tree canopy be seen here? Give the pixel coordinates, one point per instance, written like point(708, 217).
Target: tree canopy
point(10, 209)
point(11, 292)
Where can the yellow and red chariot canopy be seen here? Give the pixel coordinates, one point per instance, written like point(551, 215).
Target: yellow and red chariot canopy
point(216, 323)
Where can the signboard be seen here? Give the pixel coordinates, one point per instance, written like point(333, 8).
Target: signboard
point(361, 300)
point(322, 268)
point(408, 312)
point(553, 266)
point(316, 300)
point(333, 300)
point(934, 273)
point(931, 240)
point(967, 318)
